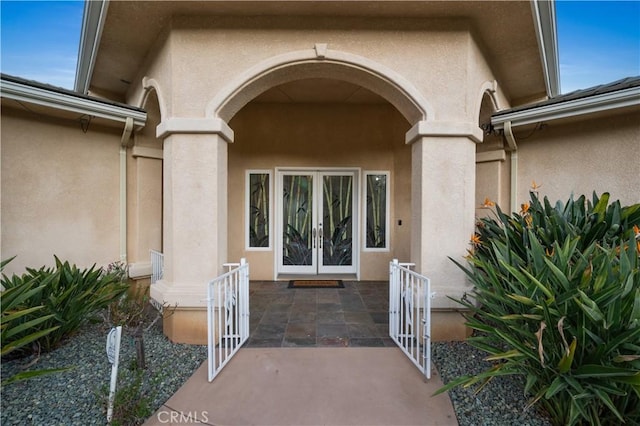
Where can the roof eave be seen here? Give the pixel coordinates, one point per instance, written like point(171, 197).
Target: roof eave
point(544, 16)
point(589, 105)
point(93, 18)
point(61, 101)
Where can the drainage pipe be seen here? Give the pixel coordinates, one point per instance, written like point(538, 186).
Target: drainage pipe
point(513, 148)
point(124, 143)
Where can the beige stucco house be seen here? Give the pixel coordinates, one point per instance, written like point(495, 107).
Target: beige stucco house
point(311, 138)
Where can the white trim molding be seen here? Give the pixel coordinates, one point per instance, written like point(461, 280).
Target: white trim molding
point(387, 210)
point(544, 18)
point(93, 19)
point(443, 129)
point(139, 270)
point(490, 156)
point(587, 105)
point(247, 210)
point(336, 64)
point(145, 152)
point(194, 126)
point(73, 103)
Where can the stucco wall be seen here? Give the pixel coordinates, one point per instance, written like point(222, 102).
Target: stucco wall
point(144, 188)
point(59, 192)
point(370, 137)
point(592, 154)
point(434, 54)
point(202, 55)
point(431, 71)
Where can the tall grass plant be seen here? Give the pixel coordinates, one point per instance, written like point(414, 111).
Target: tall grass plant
point(556, 299)
point(57, 300)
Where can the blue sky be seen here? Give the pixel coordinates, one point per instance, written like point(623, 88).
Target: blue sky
point(39, 40)
point(599, 41)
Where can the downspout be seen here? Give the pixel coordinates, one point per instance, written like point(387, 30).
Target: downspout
point(124, 143)
point(513, 148)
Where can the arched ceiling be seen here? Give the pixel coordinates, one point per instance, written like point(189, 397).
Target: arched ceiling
point(319, 90)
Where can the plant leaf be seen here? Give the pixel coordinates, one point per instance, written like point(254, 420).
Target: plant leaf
point(25, 375)
point(565, 363)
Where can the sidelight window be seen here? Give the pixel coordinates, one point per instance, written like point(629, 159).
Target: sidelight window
point(376, 224)
point(258, 209)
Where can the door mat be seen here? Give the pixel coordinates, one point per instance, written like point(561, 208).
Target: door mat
point(316, 284)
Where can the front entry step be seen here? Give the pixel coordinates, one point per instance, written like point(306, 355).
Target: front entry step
point(305, 386)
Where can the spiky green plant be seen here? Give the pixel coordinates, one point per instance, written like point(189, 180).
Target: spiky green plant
point(15, 332)
point(66, 297)
point(556, 299)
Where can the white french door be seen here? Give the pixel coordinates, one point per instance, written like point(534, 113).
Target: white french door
point(316, 218)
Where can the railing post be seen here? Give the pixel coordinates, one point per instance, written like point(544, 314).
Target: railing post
point(244, 294)
point(426, 325)
point(210, 331)
point(393, 301)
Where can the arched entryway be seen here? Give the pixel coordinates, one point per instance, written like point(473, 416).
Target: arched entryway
point(319, 169)
point(206, 172)
point(321, 175)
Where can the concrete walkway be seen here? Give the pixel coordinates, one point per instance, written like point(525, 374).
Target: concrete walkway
point(310, 386)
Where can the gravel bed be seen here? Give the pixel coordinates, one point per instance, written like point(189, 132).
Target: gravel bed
point(78, 396)
point(501, 402)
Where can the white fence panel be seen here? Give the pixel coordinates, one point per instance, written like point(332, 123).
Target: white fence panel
point(410, 314)
point(157, 265)
point(227, 316)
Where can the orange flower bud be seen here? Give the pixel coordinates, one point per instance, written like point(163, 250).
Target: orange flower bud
point(488, 203)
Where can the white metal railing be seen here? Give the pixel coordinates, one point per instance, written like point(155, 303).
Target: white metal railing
point(157, 265)
point(410, 314)
point(157, 270)
point(227, 315)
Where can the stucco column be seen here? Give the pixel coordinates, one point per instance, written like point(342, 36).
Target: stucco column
point(442, 203)
point(195, 209)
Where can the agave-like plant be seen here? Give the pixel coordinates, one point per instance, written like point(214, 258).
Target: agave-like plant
point(556, 299)
point(67, 298)
point(16, 332)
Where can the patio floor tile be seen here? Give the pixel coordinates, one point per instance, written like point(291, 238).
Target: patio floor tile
point(352, 316)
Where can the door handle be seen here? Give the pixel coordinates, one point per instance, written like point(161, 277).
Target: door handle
point(320, 237)
point(313, 237)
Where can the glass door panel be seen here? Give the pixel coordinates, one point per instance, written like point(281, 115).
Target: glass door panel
point(337, 222)
point(316, 211)
point(298, 219)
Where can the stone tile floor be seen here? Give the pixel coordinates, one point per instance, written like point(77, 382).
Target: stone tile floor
point(356, 315)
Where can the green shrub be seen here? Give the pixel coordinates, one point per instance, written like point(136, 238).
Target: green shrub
point(59, 300)
point(592, 220)
point(556, 299)
point(15, 332)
